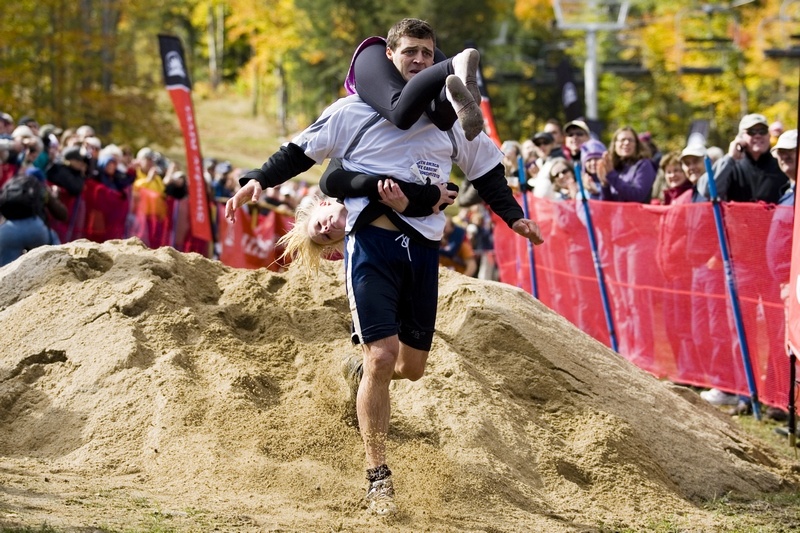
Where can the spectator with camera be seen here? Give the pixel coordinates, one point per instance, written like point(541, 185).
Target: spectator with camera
point(749, 172)
point(69, 171)
point(149, 173)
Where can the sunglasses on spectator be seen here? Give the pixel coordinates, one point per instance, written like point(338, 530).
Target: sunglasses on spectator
point(541, 143)
point(752, 132)
point(576, 133)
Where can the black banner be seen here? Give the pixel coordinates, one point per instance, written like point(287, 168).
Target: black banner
point(173, 62)
point(570, 99)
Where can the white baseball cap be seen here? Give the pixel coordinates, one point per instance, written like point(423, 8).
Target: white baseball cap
point(787, 140)
point(748, 121)
point(697, 150)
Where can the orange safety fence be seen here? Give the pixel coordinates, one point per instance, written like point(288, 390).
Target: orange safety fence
point(667, 286)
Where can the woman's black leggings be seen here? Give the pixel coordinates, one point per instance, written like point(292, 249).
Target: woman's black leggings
point(379, 84)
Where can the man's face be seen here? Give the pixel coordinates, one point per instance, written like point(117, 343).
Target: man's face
point(693, 167)
point(326, 224)
point(755, 140)
point(575, 137)
point(787, 160)
point(412, 56)
point(555, 131)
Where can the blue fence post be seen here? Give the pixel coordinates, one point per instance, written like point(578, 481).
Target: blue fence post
point(598, 266)
point(732, 292)
point(522, 187)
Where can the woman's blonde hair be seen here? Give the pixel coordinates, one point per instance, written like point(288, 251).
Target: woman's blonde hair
point(299, 248)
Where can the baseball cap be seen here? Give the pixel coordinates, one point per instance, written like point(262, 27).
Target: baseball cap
point(543, 137)
point(50, 128)
point(28, 121)
point(787, 140)
point(748, 121)
point(224, 167)
point(73, 153)
point(146, 153)
point(696, 150)
point(579, 124)
point(22, 131)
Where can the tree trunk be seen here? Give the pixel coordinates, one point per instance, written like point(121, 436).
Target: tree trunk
point(108, 31)
point(212, 50)
point(220, 25)
point(282, 97)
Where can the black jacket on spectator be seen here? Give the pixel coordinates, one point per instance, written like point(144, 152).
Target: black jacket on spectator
point(748, 180)
point(66, 177)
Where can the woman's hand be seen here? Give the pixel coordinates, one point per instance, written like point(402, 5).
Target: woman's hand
point(603, 166)
point(392, 196)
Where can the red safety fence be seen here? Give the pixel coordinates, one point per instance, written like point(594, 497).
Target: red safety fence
point(667, 286)
point(250, 242)
point(101, 213)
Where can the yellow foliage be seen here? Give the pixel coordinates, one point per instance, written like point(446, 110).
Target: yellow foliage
point(534, 12)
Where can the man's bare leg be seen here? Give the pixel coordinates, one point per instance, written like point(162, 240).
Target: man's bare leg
point(372, 404)
point(384, 360)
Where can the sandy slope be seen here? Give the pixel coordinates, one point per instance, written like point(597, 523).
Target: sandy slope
point(142, 387)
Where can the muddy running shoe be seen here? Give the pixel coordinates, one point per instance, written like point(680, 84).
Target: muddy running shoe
point(718, 397)
point(380, 497)
point(469, 113)
point(352, 370)
point(465, 66)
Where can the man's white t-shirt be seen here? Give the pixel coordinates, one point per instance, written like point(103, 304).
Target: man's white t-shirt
point(351, 130)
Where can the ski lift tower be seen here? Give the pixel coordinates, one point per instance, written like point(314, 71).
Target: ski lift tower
point(591, 16)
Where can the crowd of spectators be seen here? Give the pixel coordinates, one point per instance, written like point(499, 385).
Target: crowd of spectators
point(59, 162)
point(759, 166)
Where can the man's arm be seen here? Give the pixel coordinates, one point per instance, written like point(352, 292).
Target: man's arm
point(287, 162)
point(494, 190)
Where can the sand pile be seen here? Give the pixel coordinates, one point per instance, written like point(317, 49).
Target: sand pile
point(139, 383)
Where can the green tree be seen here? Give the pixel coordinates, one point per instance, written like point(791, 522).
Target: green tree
point(72, 63)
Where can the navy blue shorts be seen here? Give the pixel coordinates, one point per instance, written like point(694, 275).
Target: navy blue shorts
point(393, 287)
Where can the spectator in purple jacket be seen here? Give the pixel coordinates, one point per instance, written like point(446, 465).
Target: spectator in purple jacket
point(627, 174)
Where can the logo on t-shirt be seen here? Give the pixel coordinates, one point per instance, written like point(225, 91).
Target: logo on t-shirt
point(427, 172)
